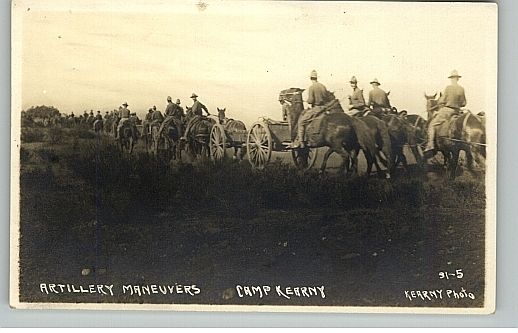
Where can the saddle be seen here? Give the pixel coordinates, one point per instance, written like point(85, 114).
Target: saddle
point(313, 128)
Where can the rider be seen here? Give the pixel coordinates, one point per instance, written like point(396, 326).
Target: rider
point(147, 120)
point(378, 99)
point(449, 103)
point(318, 96)
point(156, 118)
point(357, 102)
point(197, 111)
point(173, 113)
point(124, 114)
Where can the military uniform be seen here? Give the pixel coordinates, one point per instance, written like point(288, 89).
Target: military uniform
point(124, 114)
point(197, 108)
point(357, 100)
point(318, 96)
point(378, 100)
point(146, 122)
point(174, 113)
point(197, 112)
point(451, 101)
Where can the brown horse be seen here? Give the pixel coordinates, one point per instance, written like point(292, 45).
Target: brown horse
point(465, 132)
point(419, 124)
point(401, 134)
point(235, 131)
point(375, 131)
point(199, 135)
point(334, 129)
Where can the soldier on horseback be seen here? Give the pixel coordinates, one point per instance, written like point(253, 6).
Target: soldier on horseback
point(173, 113)
point(356, 101)
point(156, 117)
point(378, 100)
point(124, 114)
point(450, 103)
point(197, 109)
point(146, 122)
point(318, 96)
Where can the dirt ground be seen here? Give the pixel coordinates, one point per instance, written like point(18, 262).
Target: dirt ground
point(363, 256)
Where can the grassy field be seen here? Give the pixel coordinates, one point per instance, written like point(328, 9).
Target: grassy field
point(132, 220)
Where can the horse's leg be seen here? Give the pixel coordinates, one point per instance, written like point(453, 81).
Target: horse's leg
point(417, 156)
point(469, 158)
point(403, 158)
point(353, 157)
point(324, 161)
point(454, 161)
point(345, 159)
point(378, 167)
point(370, 161)
point(242, 152)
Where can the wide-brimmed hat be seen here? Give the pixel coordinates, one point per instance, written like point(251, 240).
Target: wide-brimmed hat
point(375, 81)
point(454, 73)
point(194, 95)
point(353, 80)
point(313, 74)
point(125, 104)
point(177, 101)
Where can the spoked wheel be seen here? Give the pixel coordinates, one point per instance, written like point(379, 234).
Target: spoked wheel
point(304, 158)
point(217, 143)
point(259, 145)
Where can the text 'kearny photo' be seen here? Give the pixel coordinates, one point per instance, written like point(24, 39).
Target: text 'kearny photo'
point(254, 156)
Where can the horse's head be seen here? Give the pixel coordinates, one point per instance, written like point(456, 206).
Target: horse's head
point(221, 114)
point(291, 100)
point(432, 104)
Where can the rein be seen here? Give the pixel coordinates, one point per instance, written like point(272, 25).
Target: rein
point(433, 108)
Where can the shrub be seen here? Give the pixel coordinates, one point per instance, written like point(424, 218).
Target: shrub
point(30, 134)
point(55, 135)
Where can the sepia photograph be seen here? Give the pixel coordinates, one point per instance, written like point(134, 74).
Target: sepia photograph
point(266, 156)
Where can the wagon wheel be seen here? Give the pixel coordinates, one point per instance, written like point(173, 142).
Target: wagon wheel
point(217, 143)
point(298, 154)
point(259, 145)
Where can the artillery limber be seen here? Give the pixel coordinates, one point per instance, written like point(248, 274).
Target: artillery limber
point(267, 136)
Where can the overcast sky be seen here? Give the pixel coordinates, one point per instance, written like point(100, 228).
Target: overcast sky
point(239, 55)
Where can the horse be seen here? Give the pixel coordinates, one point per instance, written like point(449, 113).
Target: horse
point(167, 143)
point(115, 122)
point(98, 126)
point(419, 125)
point(127, 137)
point(234, 128)
point(335, 130)
point(199, 135)
point(375, 131)
point(465, 132)
point(402, 133)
